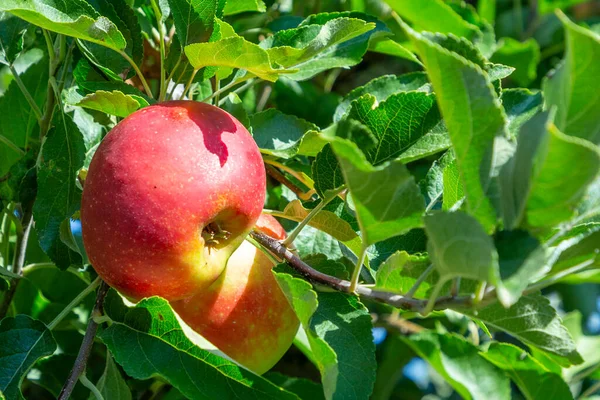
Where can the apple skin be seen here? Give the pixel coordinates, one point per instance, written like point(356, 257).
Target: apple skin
point(159, 178)
point(244, 313)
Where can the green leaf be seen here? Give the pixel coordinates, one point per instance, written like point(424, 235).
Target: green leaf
point(279, 134)
point(304, 388)
point(147, 340)
point(532, 378)
point(111, 384)
point(16, 130)
point(556, 191)
point(62, 154)
point(319, 43)
point(533, 321)
point(12, 30)
point(586, 345)
point(572, 88)
point(240, 6)
point(377, 192)
point(401, 270)
point(382, 88)
point(549, 6)
point(461, 365)
point(407, 126)
point(520, 106)
point(473, 117)
point(194, 20)
point(523, 56)
point(23, 341)
point(74, 18)
point(112, 103)
point(338, 327)
point(234, 106)
point(226, 52)
point(434, 16)
point(326, 171)
point(459, 247)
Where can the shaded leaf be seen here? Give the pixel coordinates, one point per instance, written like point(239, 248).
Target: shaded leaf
point(523, 56)
point(12, 30)
point(111, 384)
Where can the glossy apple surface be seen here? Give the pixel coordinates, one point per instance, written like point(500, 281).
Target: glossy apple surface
point(171, 192)
point(244, 313)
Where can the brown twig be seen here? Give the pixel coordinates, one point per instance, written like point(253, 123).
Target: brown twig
point(281, 178)
point(86, 345)
point(20, 252)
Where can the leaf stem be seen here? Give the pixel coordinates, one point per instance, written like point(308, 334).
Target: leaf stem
point(245, 86)
point(161, 32)
point(138, 72)
point(281, 178)
point(74, 303)
point(88, 384)
point(86, 345)
point(10, 144)
point(227, 87)
point(189, 84)
point(411, 292)
point(30, 100)
point(290, 171)
point(591, 390)
point(357, 269)
point(292, 236)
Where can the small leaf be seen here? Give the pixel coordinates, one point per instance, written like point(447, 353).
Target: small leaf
point(401, 270)
point(532, 378)
point(63, 154)
point(533, 321)
point(194, 20)
point(112, 103)
point(326, 171)
point(226, 52)
point(240, 6)
point(572, 88)
point(523, 56)
point(12, 30)
point(111, 384)
point(520, 106)
point(388, 201)
point(23, 341)
point(75, 18)
point(473, 117)
point(461, 365)
point(151, 329)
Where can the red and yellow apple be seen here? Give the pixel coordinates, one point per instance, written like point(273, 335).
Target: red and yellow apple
point(244, 313)
point(171, 192)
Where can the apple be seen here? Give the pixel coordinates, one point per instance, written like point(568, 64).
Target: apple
point(170, 193)
point(244, 313)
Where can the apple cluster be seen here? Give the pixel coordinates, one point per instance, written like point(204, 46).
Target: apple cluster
point(170, 195)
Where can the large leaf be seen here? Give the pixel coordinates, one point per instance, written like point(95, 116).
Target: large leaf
point(194, 19)
point(63, 153)
point(74, 18)
point(19, 121)
point(388, 201)
point(234, 52)
point(555, 190)
point(147, 340)
point(533, 321)
point(113, 103)
point(461, 365)
point(572, 88)
point(407, 126)
point(23, 341)
point(532, 378)
point(520, 106)
point(338, 327)
point(473, 117)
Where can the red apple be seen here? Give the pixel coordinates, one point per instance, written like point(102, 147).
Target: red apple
point(171, 192)
point(244, 313)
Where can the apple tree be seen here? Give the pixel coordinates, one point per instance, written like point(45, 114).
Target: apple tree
point(284, 199)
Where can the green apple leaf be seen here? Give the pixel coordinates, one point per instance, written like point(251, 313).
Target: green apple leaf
point(407, 126)
point(520, 106)
point(532, 378)
point(304, 388)
point(572, 87)
point(338, 327)
point(111, 384)
point(313, 241)
point(533, 321)
point(279, 134)
point(12, 30)
point(555, 191)
point(473, 117)
point(23, 341)
point(382, 88)
point(234, 106)
point(377, 192)
point(453, 193)
point(240, 6)
point(523, 56)
point(194, 20)
point(226, 53)
point(549, 6)
point(586, 345)
point(74, 18)
point(432, 185)
point(400, 271)
point(112, 103)
point(461, 365)
point(151, 329)
point(58, 198)
point(16, 130)
point(326, 171)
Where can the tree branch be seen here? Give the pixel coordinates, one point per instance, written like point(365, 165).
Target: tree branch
point(86, 345)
